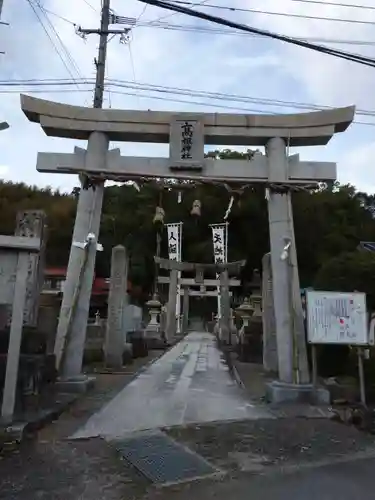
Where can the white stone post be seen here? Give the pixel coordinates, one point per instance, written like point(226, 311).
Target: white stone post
point(281, 227)
point(71, 331)
point(15, 338)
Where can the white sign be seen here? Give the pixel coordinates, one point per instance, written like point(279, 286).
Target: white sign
point(220, 246)
point(174, 241)
point(175, 253)
point(336, 318)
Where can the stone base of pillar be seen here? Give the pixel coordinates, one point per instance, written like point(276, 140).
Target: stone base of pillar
point(279, 392)
point(76, 385)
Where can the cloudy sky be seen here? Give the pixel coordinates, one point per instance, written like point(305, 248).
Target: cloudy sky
point(243, 65)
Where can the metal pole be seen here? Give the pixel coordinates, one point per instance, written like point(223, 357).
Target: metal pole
point(102, 55)
point(314, 367)
point(361, 376)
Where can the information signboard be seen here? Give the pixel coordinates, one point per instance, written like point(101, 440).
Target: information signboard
point(337, 318)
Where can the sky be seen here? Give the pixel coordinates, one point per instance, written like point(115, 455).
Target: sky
point(243, 65)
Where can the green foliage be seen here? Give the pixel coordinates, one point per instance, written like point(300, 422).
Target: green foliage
point(328, 222)
point(348, 272)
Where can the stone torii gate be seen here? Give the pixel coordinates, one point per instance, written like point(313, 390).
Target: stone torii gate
point(223, 269)
point(187, 134)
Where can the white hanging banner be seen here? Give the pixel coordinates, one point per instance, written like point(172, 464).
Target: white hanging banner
point(175, 253)
point(219, 242)
point(174, 241)
point(220, 248)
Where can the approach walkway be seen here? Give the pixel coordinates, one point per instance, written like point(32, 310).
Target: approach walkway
point(190, 383)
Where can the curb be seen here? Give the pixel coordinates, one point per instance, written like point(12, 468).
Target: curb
point(21, 430)
point(18, 431)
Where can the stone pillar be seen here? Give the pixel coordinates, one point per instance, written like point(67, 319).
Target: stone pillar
point(281, 227)
point(32, 224)
point(268, 317)
point(185, 324)
point(224, 321)
point(15, 338)
point(71, 331)
point(117, 299)
point(171, 326)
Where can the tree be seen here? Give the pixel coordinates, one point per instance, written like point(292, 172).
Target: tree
point(348, 272)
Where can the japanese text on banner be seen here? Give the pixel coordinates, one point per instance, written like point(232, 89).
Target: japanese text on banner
point(174, 245)
point(218, 239)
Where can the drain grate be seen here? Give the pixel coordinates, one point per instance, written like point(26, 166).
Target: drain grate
point(163, 460)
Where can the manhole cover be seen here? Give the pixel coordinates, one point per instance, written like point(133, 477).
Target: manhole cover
point(163, 460)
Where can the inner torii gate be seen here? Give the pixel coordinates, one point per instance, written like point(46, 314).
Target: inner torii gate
point(223, 269)
point(187, 134)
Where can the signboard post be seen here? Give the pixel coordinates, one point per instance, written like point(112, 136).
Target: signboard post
point(338, 318)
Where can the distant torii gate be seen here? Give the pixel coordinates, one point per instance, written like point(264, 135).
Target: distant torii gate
point(187, 134)
point(223, 269)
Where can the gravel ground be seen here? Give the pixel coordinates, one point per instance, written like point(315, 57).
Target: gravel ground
point(258, 444)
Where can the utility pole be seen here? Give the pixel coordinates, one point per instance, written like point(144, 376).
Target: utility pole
point(100, 63)
point(74, 313)
point(102, 56)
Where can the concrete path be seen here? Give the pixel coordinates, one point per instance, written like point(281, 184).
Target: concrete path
point(189, 384)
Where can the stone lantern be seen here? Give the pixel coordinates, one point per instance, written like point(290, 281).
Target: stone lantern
point(245, 311)
point(152, 332)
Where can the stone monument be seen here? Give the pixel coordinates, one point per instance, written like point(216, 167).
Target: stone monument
point(117, 301)
point(14, 278)
point(32, 224)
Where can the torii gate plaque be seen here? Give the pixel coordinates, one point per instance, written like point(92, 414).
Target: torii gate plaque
point(187, 134)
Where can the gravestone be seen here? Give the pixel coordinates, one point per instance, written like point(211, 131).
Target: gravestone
point(14, 271)
point(270, 361)
point(32, 224)
point(114, 340)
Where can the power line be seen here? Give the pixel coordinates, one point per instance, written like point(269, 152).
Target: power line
point(194, 4)
point(225, 31)
point(181, 91)
point(220, 31)
point(89, 4)
point(347, 5)
point(65, 49)
point(163, 98)
point(50, 38)
point(366, 61)
point(283, 14)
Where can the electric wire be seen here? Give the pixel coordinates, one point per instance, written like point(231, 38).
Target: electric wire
point(65, 49)
point(226, 31)
point(218, 20)
point(199, 94)
point(33, 7)
point(179, 91)
point(220, 31)
point(282, 14)
point(323, 2)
